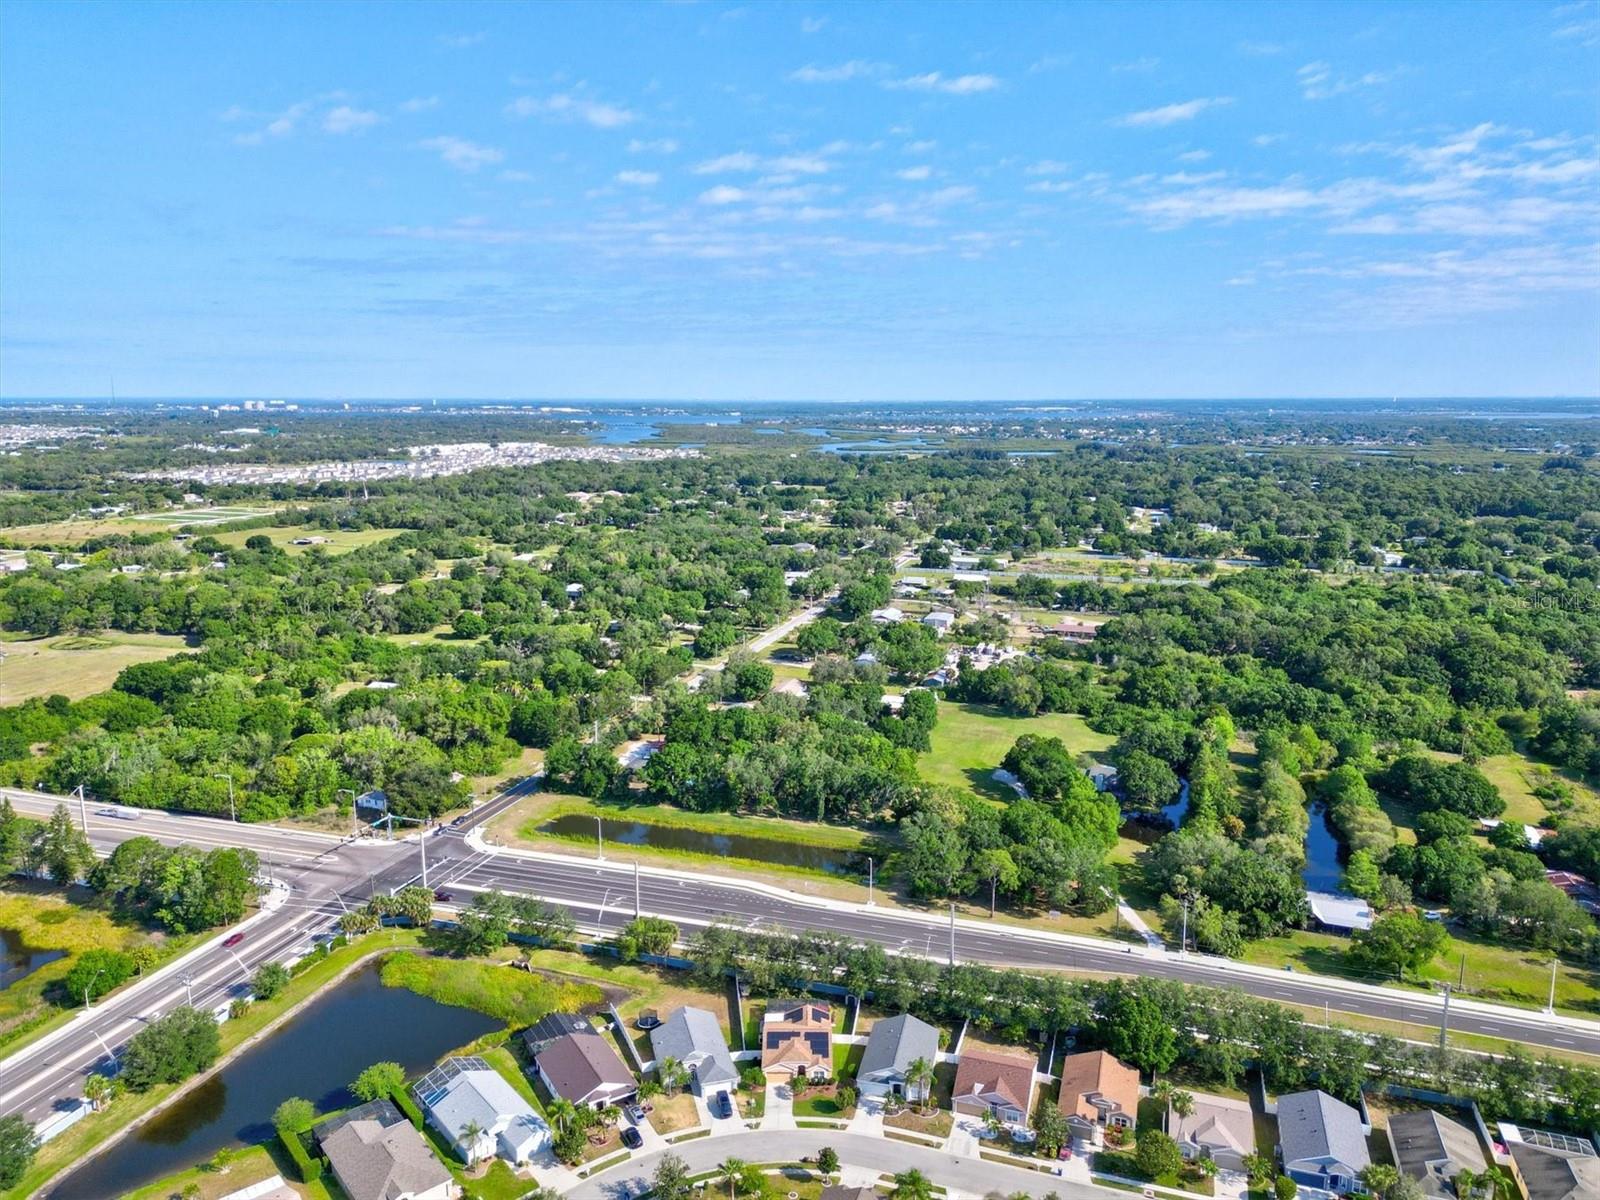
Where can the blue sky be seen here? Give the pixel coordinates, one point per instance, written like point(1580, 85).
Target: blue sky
point(800, 201)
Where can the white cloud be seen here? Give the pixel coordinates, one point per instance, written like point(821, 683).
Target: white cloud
point(1171, 114)
point(657, 146)
point(915, 174)
point(1261, 49)
point(465, 229)
point(639, 178)
point(280, 126)
point(462, 154)
point(722, 194)
point(1318, 82)
point(564, 106)
point(813, 24)
point(1047, 166)
point(956, 85)
point(419, 104)
point(919, 147)
point(744, 162)
point(345, 119)
point(856, 68)
point(1052, 186)
point(1266, 139)
point(1194, 156)
point(1137, 66)
point(461, 41)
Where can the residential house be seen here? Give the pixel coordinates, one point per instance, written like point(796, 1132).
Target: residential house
point(839, 1191)
point(1074, 631)
point(547, 1029)
point(1433, 1150)
point(1585, 894)
point(866, 659)
point(797, 1039)
point(693, 1037)
point(964, 562)
point(892, 1046)
point(1220, 1128)
point(1341, 914)
point(1102, 776)
point(1322, 1141)
point(888, 615)
point(1552, 1166)
point(479, 1113)
point(583, 1067)
point(969, 577)
point(940, 621)
point(990, 1082)
point(376, 1154)
point(1098, 1092)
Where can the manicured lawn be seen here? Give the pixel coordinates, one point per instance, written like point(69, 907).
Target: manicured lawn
point(970, 740)
point(669, 1114)
point(503, 1060)
point(819, 1102)
point(76, 666)
point(1109, 1163)
point(251, 1165)
point(503, 992)
point(498, 1182)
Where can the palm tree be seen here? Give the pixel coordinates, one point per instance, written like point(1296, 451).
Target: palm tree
point(919, 1080)
point(1499, 1182)
point(1466, 1183)
point(1161, 1093)
point(611, 1114)
point(96, 1090)
point(561, 1112)
point(731, 1168)
point(1180, 1102)
point(470, 1133)
point(912, 1185)
point(1260, 1168)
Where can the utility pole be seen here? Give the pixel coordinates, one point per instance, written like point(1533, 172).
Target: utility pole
point(188, 983)
point(1461, 977)
point(952, 935)
point(87, 1007)
point(1183, 946)
point(636, 910)
point(232, 813)
point(422, 840)
point(599, 839)
point(1444, 1021)
point(341, 791)
point(1550, 1007)
point(869, 880)
point(83, 809)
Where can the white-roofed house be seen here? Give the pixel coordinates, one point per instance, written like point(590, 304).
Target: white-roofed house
point(465, 1093)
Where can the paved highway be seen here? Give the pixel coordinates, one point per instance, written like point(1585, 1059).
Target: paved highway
point(320, 875)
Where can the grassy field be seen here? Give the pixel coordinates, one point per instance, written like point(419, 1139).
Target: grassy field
point(75, 530)
point(76, 666)
point(509, 995)
point(1496, 973)
point(1515, 777)
point(250, 1165)
point(45, 920)
point(338, 540)
point(970, 740)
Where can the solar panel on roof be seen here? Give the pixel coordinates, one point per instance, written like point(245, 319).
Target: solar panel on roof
point(818, 1043)
point(774, 1040)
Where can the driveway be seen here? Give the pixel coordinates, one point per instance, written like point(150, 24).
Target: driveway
point(961, 1177)
point(719, 1126)
point(868, 1121)
point(963, 1139)
point(780, 1107)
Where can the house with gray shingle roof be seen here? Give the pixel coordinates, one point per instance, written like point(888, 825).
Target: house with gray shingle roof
point(693, 1037)
point(892, 1046)
point(1322, 1141)
point(375, 1161)
point(1433, 1150)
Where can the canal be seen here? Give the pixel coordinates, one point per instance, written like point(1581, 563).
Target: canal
point(18, 960)
point(724, 845)
point(315, 1055)
point(1323, 872)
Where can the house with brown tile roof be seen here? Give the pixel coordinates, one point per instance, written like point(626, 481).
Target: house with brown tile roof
point(987, 1082)
point(583, 1067)
point(797, 1039)
point(1098, 1092)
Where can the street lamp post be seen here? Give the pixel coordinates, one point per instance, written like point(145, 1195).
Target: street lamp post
point(870, 878)
point(599, 840)
point(233, 814)
point(83, 808)
point(87, 1007)
point(188, 984)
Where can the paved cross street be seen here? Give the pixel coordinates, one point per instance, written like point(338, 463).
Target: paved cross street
point(325, 875)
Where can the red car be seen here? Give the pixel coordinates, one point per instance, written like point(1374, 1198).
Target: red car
point(233, 939)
